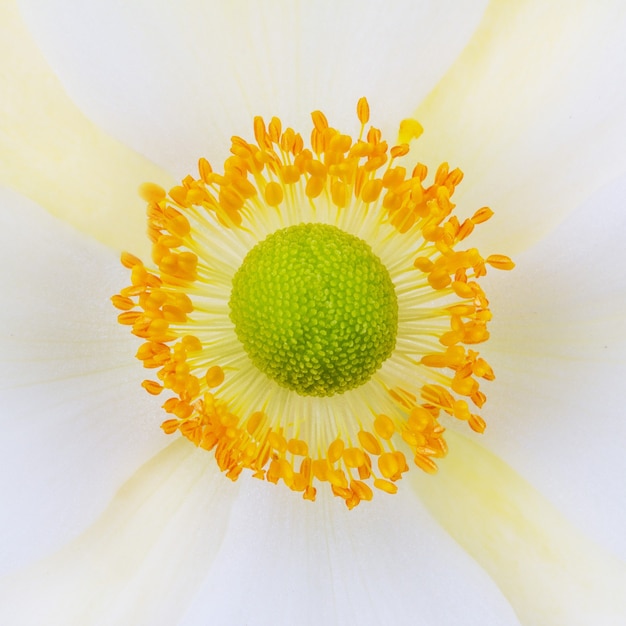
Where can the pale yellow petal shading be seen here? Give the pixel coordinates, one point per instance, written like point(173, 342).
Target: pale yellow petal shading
point(558, 347)
point(74, 425)
point(551, 574)
point(175, 80)
point(142, 561)
point(533, 112)
point(285, 563)
point(50, 152)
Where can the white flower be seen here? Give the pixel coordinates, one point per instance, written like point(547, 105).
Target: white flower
point(106, 521)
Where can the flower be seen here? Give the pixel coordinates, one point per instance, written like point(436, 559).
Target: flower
point(177, 543)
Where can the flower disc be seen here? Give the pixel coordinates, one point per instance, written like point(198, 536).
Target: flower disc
point(315, 309)
point(312, 314)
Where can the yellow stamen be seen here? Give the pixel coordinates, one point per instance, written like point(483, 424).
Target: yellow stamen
point(202, 229)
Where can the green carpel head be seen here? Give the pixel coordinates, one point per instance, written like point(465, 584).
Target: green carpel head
point(314, 309)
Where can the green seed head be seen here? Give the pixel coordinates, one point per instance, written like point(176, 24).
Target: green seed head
point(315, 309)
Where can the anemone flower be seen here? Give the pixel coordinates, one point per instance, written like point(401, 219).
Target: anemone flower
point(108, 521)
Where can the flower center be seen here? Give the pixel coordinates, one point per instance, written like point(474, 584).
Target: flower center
point(315, 309)
point(311, 313)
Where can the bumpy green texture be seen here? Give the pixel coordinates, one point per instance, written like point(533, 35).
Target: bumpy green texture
point(315, 309)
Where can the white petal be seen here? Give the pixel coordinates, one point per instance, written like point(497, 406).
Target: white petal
point(176, 80)
point(142, 560)
point(51, 153)
point(75, 422)
point(550, 572)
point(533, 113)
point(558, 347)
point(287, 561)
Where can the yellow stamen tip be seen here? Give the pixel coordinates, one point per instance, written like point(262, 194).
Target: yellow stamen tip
point(214, 376)
point(150, 192)
point(410, 129)
point(363, 111)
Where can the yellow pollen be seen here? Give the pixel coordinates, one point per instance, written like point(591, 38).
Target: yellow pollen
point(355, 442)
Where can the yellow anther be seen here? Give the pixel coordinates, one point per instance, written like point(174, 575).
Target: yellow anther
point(394, 177)
point(229, 199)
point(254, 422)
point(243, 187)
point(500, 262)
point(316, 168)
point(386, 486)
point(371, 190)
point(483, 369)
point(339, 144)
point(191, 343)
point(461, 410)
point(214, 376)
point(410, 129)
point(319, 121)
point(463, 290)
point(388, 464)
point(339, 193)
point(353, 457)
point(439, 279)
point(152, 387)
point(289, 174)
point(435, 360)
point(424, 264)
point(338, 479)
point(183, 410)
point(170, 426)
point(182, 301)
point(425, 463)
point(335, 450)
point(179, 195)
point(277, 441)
point(150, 192)
point(374, 137)
point(369, 442)
point(273, 194)
point(363, 111)
point(321, 470)
point(420, 418)
point(123, 303)
point(129, 317)
point(173, 314)
point(399, 151)
point(477, 423)
point(361, 489)
point(360, 149)
point(482, 215)
point(288, 141)
point(384, 426)
point(129, 260)
point(437, 395)
point(298, 447)
point(314, 186)
point(260, 133)
point(413, 438)
point(274, 129)
point(285, 471)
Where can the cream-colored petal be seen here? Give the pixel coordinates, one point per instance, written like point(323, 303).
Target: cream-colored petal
point(558, 346)
point(533, 113)
point(52, 153)
point(287, 561)
point(142, 560)
point(75, 421)
point(549, 571)
point(177, 79)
